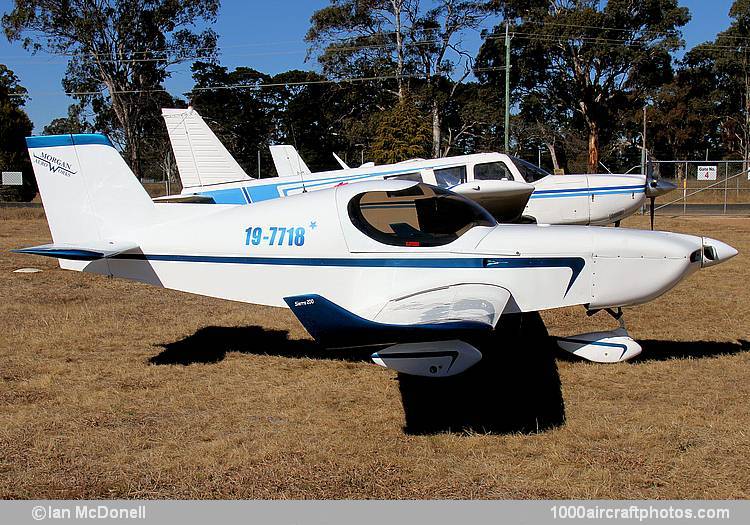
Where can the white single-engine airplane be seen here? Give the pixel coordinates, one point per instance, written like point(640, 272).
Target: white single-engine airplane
point(505, 186)
point(402, 264)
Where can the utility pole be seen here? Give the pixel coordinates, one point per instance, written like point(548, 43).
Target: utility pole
point(643, 149)
point(507, 86)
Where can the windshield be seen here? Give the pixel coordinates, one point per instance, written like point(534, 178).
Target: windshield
point(491, 171)
point(421, 215)
point(529, 172)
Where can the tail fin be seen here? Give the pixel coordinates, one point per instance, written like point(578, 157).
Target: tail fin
point(288, 162)
point(202, 159)
point(90, 195)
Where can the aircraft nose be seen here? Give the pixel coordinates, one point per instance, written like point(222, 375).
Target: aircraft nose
point(716, 252)
point(658, 187)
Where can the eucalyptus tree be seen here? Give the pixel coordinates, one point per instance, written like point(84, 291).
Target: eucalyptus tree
point(584, 62)
point(400, 40)
point(15, 126)
point(119, 51)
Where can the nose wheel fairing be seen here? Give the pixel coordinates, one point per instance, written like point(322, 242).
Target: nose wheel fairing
point(601, 347)
point(613, 346)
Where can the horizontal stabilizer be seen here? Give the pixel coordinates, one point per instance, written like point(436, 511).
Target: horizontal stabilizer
point(333, 326)
point(504, 199)
point(344, 165)
point(188, 198)
point(88, 252)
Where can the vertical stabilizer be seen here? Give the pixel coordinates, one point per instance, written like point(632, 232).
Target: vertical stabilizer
point(89, 192)
point(202, 160)
point(288, 162)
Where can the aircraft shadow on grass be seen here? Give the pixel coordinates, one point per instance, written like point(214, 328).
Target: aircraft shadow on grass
point(658, 350)
point(664, 350)
point(515, 388)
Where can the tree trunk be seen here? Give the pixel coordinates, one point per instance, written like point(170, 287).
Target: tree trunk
point(135, 157)
point(397, 4)
point(746, 130)
point(436, 138)
point(593, 166)
point(553, 154)
point(127, 120)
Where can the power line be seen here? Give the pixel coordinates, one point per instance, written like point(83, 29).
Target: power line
point(254, 87)
point(341, 49)
point(254, 44)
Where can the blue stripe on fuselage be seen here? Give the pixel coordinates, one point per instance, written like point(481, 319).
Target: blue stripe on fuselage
point(575, 264)
point(263, 192)
point(603, 188)
point(273, 191)
point(586, 193)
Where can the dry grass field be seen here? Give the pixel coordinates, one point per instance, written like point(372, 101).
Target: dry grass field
point(112, 389)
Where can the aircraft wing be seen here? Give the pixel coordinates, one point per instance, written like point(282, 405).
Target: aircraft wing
point(430, 333)
point(504, 199)
point(423, 316)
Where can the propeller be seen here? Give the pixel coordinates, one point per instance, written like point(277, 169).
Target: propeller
point(656, 187)
point(653, 200)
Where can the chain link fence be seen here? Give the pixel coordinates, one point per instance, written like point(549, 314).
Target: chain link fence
point(713, 186)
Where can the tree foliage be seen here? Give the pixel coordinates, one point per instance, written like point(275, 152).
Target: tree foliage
point(722, 69)
point(402, 133)
point(581, 72)
point(403, 39)
point(15, 126)
point(583, 63)
point(118, 51)
point(75, 122)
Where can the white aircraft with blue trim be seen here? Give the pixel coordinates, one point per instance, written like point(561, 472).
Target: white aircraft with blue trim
point(506, 186)
point(422, 272)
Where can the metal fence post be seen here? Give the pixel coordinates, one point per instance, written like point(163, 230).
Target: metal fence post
point(737, 198)
point(726, 185)
point(684, 190)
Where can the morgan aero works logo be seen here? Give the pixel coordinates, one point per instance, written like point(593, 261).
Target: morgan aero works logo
point(53, 164)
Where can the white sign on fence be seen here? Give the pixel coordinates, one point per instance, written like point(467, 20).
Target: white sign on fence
point(12, 178)
point(706, 172)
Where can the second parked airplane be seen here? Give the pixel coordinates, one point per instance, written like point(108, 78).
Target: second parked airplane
point(506, 186)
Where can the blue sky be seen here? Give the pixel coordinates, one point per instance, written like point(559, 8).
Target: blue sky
point(267, 36)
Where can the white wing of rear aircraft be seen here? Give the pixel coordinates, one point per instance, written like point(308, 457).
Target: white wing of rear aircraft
point(202, 160)
point(287, 161)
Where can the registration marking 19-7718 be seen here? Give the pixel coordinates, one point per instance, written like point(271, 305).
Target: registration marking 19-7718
point(275, 236)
